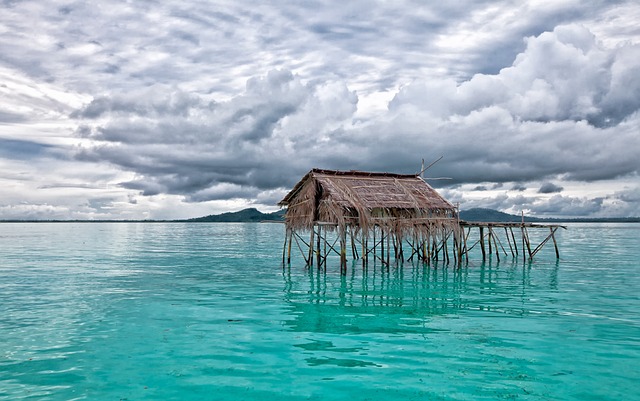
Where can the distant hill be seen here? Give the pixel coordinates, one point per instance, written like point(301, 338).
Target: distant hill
point(490, 215)
point(242, 216)
point(254, 215)
point(476, 214)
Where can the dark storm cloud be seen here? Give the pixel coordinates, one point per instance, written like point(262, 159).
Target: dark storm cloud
point(549, 188)
point(249, 142)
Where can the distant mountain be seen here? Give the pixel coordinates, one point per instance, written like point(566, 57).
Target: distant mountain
point(471, 215)
point(494, 216)
point(490, 215)
point(243, 216)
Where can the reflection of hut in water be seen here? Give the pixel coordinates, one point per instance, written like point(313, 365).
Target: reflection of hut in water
point(373, 213)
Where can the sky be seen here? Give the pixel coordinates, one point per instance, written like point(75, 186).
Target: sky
point(177, 109)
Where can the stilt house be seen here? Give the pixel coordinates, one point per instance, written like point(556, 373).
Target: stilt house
point(374, 209)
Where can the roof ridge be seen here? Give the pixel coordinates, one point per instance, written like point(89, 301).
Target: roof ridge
point(357, 173)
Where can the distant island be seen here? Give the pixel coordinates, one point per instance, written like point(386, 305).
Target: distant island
point(250, 215)
point(476, 214)
point(253, 215)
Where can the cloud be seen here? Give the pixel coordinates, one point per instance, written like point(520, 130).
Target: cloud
point(180, 145)
point(549, 188)
point(539, 118)
point(233, 104)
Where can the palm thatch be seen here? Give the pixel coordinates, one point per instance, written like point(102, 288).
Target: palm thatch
point(403, 204)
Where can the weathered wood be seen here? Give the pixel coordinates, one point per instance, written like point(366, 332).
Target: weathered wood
point(484, 254)
point(289, 246)
point(513, 237)
point(555, 244)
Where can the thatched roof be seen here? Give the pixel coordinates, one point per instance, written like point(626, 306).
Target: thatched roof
point(373, 190)
point(329, 195)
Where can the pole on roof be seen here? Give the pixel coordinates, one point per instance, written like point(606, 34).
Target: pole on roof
point(429, 166)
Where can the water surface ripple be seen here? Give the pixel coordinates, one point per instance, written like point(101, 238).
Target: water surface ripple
point(127, 311)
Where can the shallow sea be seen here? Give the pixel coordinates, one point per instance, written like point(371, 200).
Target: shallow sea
point(155, 311)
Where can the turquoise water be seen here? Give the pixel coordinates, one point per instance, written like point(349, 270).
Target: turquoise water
point(205, 312)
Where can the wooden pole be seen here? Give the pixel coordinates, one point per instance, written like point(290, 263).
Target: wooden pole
point(326, 254)
point(506, 234)
point(484, 254)
point(364, 248)
point(489, 240)
point(311, 237)
point(284, 247)
point(515, 244)
point(466, 249)
point(289, 246)
point(495, 240)
point(445, 237)
point(555, 244)
point(388, 248)
point(343, 249)
point(381, 245)
point(354, 250)
point(318, 250)
point(526, 235)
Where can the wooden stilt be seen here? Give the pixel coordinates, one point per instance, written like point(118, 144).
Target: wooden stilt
point(484, 254)
point(555, 244)
point(343, 249)
point(318, 239)
point(284, 247)
point(290, 232)
point(524, 256)
point(490, 240)
point(506, 234)
point(364, 248)
point(389, 234)
point(381, 245)
point(526, 237)
point(445, 249)
point(311, 243)
point(515, 244)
